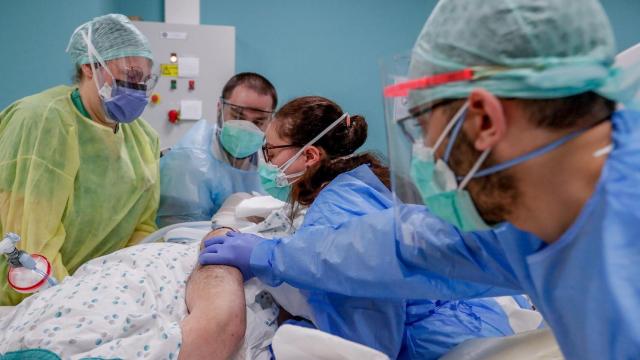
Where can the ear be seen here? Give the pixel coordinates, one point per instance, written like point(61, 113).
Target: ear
point(87, 71)
point(312, 155)
point(486, 122)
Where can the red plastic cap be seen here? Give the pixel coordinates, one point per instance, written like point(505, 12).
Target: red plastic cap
point(173, 116)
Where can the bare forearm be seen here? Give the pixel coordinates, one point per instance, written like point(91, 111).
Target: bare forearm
point(215, 326)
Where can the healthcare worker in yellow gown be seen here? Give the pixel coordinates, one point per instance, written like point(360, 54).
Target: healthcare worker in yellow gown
point(79, 173)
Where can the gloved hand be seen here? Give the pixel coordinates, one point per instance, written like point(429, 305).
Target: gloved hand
point(233, 249)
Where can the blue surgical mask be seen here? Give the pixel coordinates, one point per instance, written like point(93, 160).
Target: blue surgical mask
point(241, 138)
point(443, 192)
point(122, 102)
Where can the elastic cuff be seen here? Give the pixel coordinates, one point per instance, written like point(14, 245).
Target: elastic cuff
point(261, 262)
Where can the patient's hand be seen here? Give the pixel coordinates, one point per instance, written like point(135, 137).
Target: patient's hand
point(215, 326)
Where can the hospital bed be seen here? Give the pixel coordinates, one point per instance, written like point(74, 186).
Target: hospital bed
point(291, 342)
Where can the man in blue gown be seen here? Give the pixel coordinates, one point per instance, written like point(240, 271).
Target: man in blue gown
point(528, 168)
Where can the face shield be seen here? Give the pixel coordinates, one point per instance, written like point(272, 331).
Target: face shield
point(124, 84)
point(418, 148)
point(422, 136)
point(242, 128)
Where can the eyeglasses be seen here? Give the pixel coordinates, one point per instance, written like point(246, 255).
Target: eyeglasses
point(266, 148)
point(414, 125)
point(256, 116)
point(134, 77)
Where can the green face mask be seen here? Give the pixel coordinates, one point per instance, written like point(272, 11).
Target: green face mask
point(274, 181)
point(241, 138)
point(443, 193)
point(457, 208)
point(438, 185)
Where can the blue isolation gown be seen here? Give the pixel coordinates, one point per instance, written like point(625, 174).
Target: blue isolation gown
point(194, 182)
point(405, 329)
point(586, 284)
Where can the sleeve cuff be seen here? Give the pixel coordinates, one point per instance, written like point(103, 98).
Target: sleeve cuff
point(261, 262)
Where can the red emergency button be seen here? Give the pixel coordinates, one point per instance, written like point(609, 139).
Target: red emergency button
point(155, 99)
point(174, 116)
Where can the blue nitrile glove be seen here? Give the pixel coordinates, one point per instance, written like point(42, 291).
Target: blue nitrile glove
point(233, 249)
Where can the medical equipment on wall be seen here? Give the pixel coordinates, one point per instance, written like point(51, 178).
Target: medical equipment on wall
point(27, 273)
point(195, 62)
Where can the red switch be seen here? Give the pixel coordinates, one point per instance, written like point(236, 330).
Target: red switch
point(192, 85)
point(155, 99)
point(174, 116)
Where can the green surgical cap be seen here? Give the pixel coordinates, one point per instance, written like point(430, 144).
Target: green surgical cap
point(531, 49)
point(113, 36)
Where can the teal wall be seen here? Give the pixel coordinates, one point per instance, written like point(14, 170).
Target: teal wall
point(329, 47)
point(33, 38)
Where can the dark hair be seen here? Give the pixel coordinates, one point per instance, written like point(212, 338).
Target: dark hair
point(77, 74)
point(302, 119)
point(253, 81)
point(577, 111)
point(582, 110)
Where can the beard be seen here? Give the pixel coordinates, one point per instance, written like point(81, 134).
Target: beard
point(494, 195)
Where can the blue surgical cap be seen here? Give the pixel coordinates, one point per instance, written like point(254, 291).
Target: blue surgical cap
point(113, 36)
point(531, 49)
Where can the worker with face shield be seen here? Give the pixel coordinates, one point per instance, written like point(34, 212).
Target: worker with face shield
point(215, 160)
point(514, 147)
point(79, 174)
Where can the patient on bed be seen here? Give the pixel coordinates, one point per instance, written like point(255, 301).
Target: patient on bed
point(141, 303)
point(138, 302)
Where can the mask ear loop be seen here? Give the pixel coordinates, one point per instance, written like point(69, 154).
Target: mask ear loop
point(474, 169)
point(460, 118)
point(450, 125)
point(474, 173)
point(93, 55)
point(295, 157)
point(285, 166)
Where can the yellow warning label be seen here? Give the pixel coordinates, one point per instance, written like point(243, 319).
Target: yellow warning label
point(169, 69)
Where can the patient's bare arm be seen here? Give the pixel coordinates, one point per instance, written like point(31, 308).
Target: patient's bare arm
point(215, 326)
